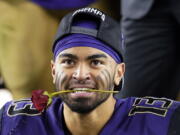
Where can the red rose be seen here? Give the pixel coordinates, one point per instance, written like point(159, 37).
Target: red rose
point(39, 100)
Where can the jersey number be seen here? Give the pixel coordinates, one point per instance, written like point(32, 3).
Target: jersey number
point(26, 109)
point(146, 105)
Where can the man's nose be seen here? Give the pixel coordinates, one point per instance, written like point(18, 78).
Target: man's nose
point(81, 72)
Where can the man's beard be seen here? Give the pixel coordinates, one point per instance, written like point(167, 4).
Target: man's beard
point(84, 105)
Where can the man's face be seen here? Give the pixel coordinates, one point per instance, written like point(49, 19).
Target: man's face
point(83, 68)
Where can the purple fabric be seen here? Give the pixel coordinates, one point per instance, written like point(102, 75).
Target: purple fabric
point(51, 122)
point(77, 40)
point(63, 4)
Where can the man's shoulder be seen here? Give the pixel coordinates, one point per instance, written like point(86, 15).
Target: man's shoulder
point(150, 114)
point(20, 114)
point(23, 107)
point(160, 110)
point(153, 105)
point(14, 112)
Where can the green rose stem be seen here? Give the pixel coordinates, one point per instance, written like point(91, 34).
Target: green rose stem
point(50, 95)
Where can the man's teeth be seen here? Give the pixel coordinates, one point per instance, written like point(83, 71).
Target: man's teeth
point(81, 89)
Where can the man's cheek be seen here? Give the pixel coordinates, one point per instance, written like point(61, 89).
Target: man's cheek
point(59, 79)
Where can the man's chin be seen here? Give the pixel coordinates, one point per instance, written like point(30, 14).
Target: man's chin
point(82, 110)
point(85, 105)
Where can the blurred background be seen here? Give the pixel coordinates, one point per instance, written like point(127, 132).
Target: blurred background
point(27, 29)
point(151, 34)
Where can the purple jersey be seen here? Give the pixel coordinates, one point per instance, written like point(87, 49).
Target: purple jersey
point(132, 116)
point(61, 4)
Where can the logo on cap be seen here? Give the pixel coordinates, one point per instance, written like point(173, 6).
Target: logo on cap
point(90, 10)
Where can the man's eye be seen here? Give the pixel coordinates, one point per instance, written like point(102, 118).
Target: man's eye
point(68, 62)
point(96, 62)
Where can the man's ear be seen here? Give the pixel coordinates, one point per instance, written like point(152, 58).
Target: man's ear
point(53, 70)
point(120, 69)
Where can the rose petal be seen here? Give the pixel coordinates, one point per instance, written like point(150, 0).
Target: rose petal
point(39, 100)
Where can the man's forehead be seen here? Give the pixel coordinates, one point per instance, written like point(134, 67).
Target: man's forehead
point(82, 52)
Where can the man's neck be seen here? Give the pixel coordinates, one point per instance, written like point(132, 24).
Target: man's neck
point(91, 123)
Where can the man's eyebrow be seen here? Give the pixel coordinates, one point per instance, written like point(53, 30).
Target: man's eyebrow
point(69, 55)
point(94, 56)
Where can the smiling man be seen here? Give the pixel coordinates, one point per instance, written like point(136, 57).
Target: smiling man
point(87, 69)
point(84, 68)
